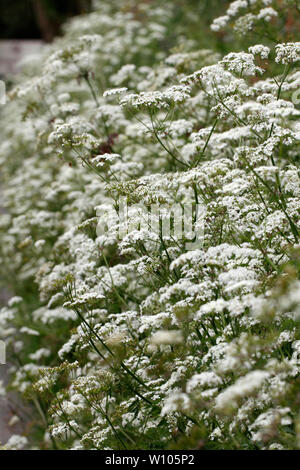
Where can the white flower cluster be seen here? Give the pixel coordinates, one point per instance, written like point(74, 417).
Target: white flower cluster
point(288, 53)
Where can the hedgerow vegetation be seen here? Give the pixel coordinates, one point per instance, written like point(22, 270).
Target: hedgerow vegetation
point(137, 341)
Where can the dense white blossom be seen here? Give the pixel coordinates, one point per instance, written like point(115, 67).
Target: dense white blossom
point(150, 232)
